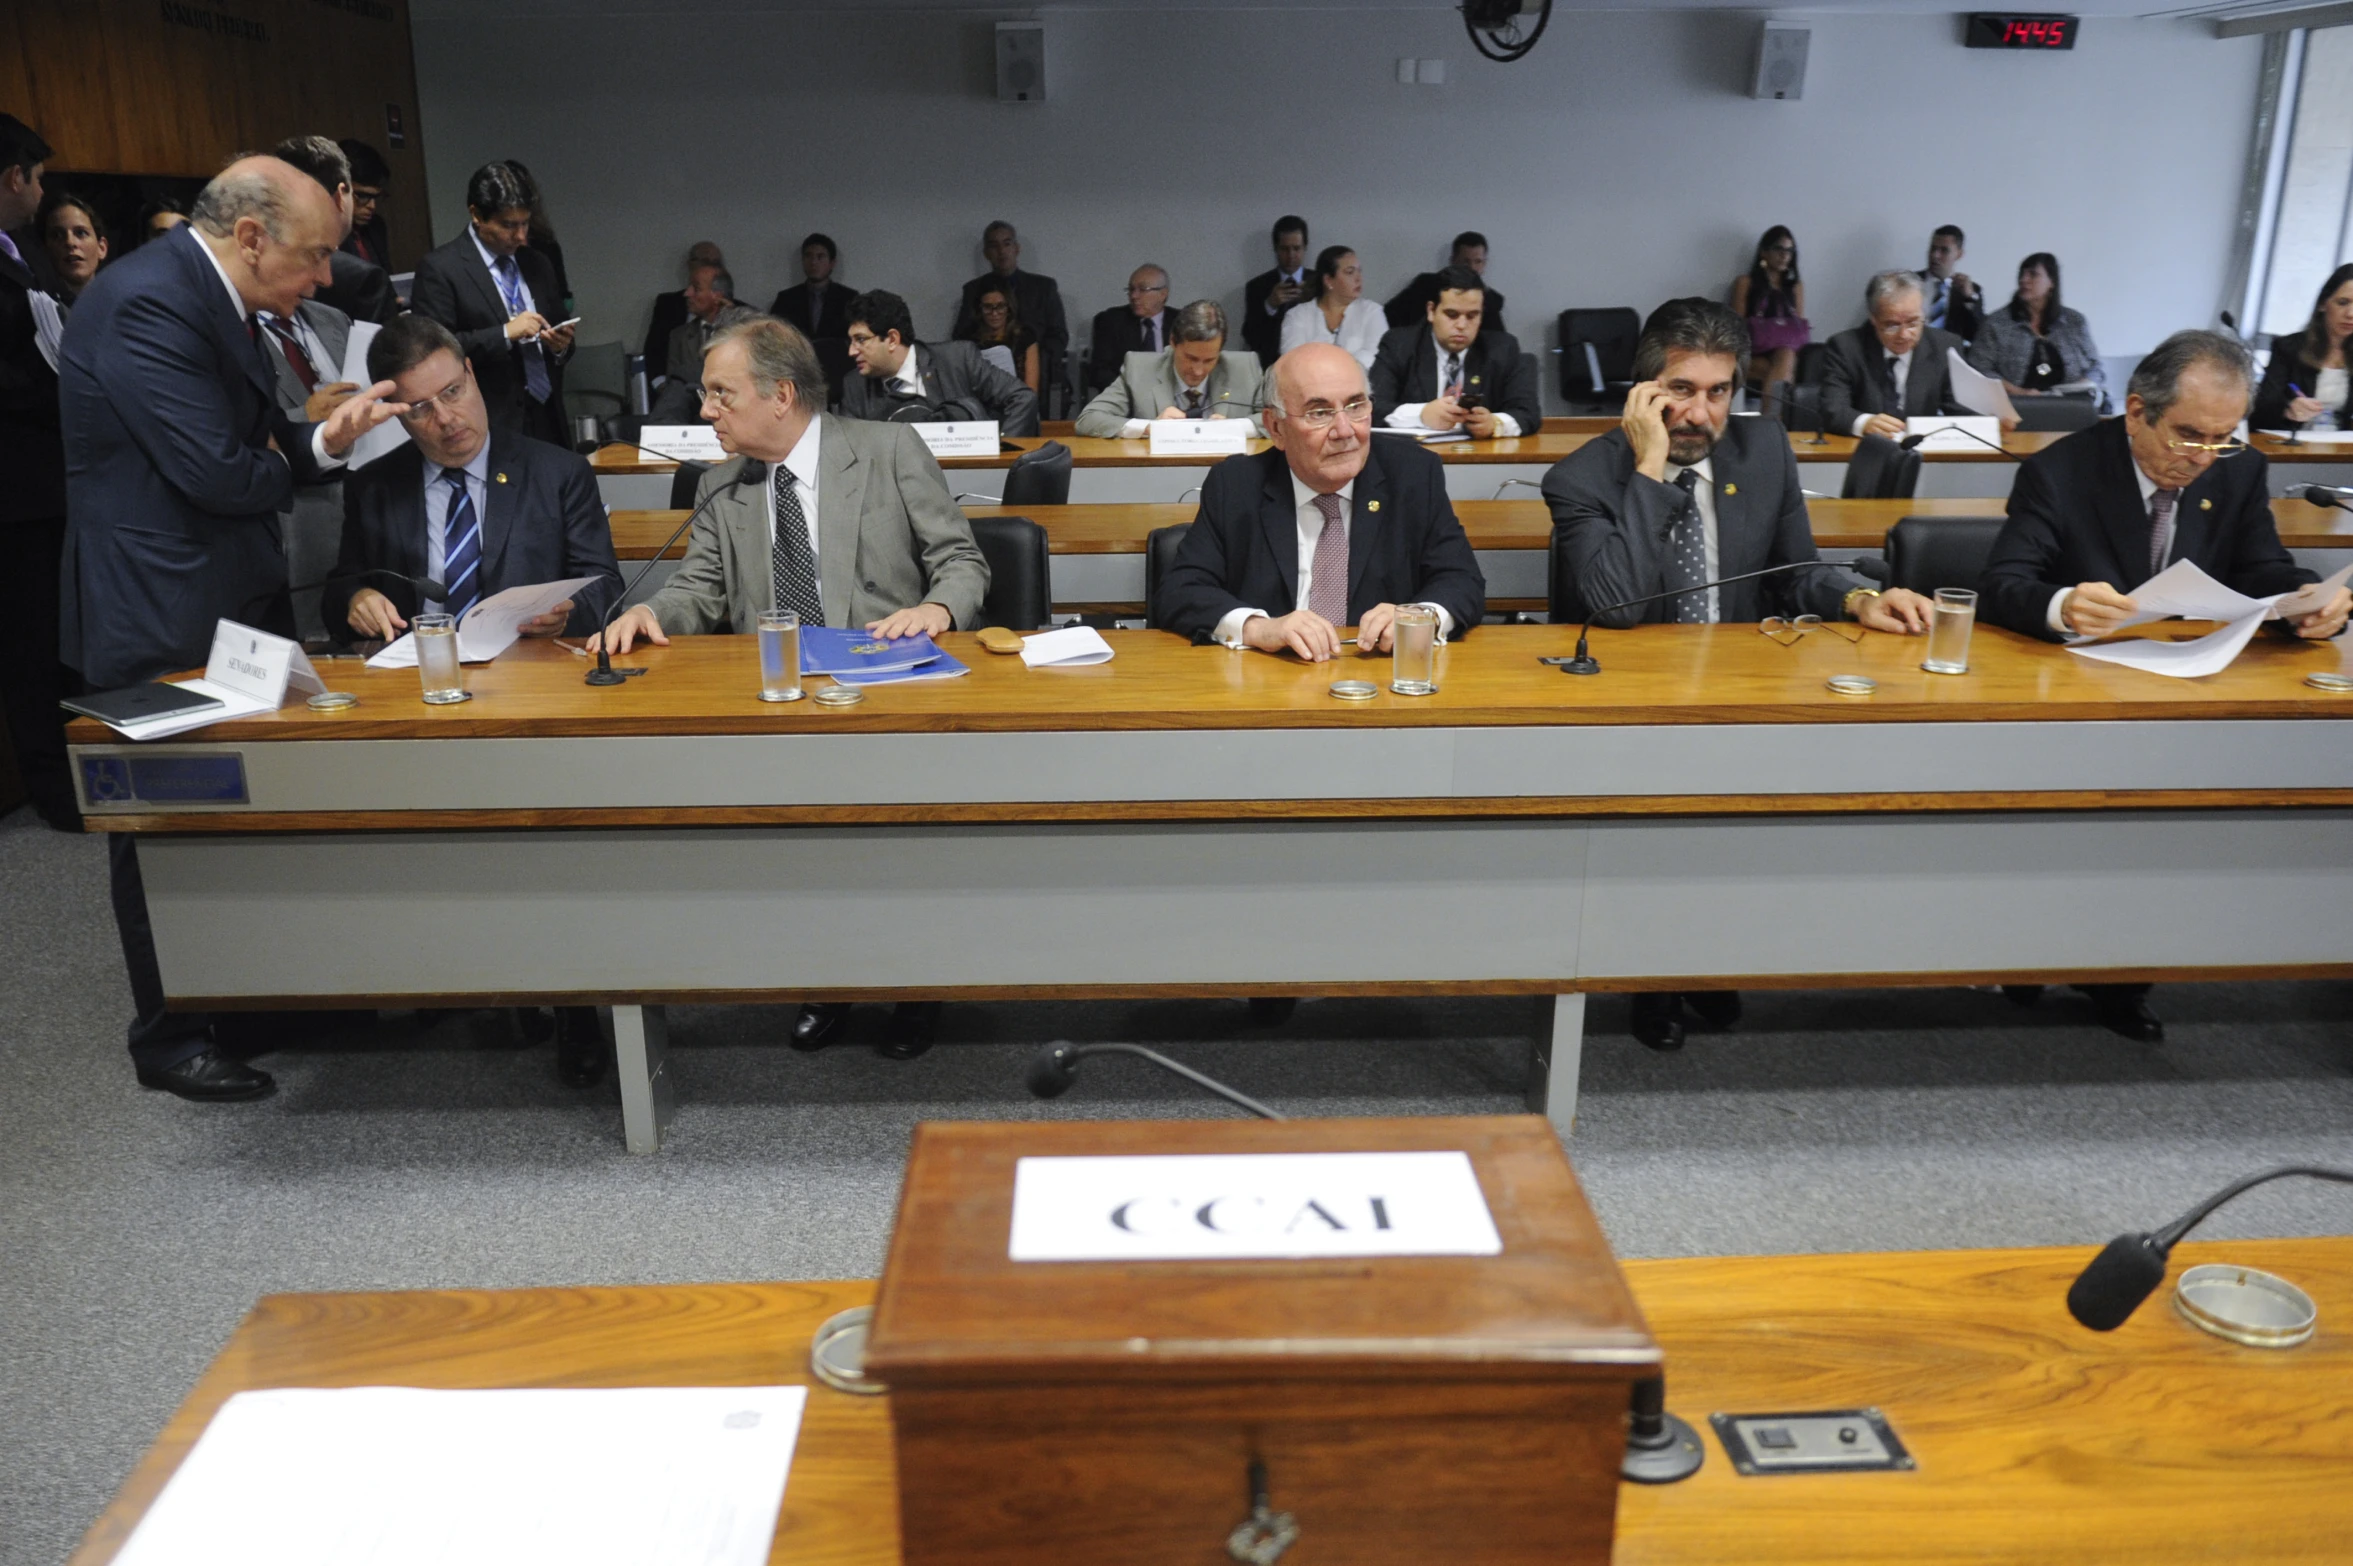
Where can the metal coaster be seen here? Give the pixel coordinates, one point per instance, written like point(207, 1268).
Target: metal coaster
point(1851, 684)
point(448, 701)
point(332, 701)
point(2329, 682)
point(837, 1355)
point(1355, 690)
point(2246, 1306)
point(840, 696)
point(795, 694)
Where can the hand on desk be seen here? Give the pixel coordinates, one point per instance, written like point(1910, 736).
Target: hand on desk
point(373, 616)
point(1302, 631)
point(627, 628)
point(1883, 424)
point(1898, 610)
point(2095, 609)
point(1376, 632)
point(2327, 620)
point(2305, 409)
point(922, 620)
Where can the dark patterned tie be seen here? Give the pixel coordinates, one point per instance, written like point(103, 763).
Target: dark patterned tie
point(792, 570)
point(1452, 379)
point(2161, 506)
point(1687, 553)
point(1192, 402)
point(1895, 392)
point(510, 288)
point(282, 331)
point(1327, 590)
point(461, 560)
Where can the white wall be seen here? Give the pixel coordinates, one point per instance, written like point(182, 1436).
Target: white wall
point(1622, 163)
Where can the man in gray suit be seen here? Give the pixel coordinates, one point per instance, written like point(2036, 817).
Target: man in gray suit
point(1192, 378)
point(710, 306)
point(908, 382)
point(306, 352)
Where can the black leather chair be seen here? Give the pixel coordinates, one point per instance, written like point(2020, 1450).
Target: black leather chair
point(683, 482)
point(1021, 584)
point(1881, 470)
point(1556, 583)
point(1160, 551)
point(1597, 355)
point(1926, 553)
point(1809, 364)
point(2056, 413)
point(1040, 477)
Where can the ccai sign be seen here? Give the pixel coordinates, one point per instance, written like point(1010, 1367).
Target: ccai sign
point(1240, 1206)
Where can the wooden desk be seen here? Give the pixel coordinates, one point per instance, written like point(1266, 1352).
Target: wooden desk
point(2036, 1440)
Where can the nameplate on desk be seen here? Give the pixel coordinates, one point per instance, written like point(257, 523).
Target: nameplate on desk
point(1975, 432)
point(164, 778)
point(1245, 1206)
point(1199, 437)
point(967, 439)
point(682, 442)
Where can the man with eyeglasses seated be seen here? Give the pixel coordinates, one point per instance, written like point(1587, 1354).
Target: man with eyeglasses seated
point(1332, 528)
point(1145, 324)
point(1680, 495)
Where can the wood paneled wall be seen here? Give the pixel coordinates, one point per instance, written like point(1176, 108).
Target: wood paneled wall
point(179, 86)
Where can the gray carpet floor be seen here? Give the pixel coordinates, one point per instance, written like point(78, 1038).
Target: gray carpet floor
point(135, 1229)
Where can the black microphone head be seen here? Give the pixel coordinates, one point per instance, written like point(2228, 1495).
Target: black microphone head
point(1911, 442)
point(2118, 1279)
point(1054, 1070)
point(2319, 495)
point(430, 588)
point(753, 471)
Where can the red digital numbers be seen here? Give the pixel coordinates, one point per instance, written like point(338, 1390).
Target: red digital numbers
point(2035, 32)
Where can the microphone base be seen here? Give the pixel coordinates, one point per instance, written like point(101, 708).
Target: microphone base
point(1583, 663)
point(605, 677)
point(1679, 1457)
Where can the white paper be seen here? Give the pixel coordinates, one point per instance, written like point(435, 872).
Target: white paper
point(1977, 392)
point(682, 442)
point(491, 626)
point(2183, 590)
point(2309, 598)
point(249, 672)
point(2209, 654)
point(1427, 437)
point(1974, 432)
point(1067, 648)
point(390, 435)
point(2315, 437)
point(1222, 1206)
point(48, 324)
point(1199, 437)
point(391, 1476)
point(970, 438)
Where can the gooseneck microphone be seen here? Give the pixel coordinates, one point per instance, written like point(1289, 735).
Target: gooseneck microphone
point(2326, 495)
point(1660, 1447)
point(423, 586)
point(1056, 1068)
point(1912, 442)
point(1586, 663)
point(2129, 1268)
point(752, 472)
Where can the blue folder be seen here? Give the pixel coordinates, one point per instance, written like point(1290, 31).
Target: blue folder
point(827, 649)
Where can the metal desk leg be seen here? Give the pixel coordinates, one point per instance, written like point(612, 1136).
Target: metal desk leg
point(641, 1047)
point(1553, 1062)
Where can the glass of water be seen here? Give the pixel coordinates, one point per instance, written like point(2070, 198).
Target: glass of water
point(1413, 664)
point(437, 658)
point(780, 655)
point(1948, 631)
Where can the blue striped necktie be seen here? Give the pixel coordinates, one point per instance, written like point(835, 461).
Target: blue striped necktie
point(461, 561)
point(510, 288)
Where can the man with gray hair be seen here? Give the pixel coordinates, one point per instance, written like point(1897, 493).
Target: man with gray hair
point(1892, 367)
point(1145, 324)
point(1192, 378)
point(710, 306)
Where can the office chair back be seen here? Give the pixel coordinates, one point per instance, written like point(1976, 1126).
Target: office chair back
point(593, 382)
point(1040, 477)
point(1597, 352)
point(683, 482)
point(1160, 552)
point(1809, 364)
point(1021, 587)
point(2056, 413)
point(1926, 553)
point(1881, 470)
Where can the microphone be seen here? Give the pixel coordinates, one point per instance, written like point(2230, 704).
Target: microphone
point(1056, 1068)
point(2129, 1268)
point(1909, 442)
point(1660, 1447)
point(2327, 495)
point(423, 586)
point(752, 472)
point(1586, 663)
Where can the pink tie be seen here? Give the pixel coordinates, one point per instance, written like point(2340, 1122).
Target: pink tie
point(1327, 591)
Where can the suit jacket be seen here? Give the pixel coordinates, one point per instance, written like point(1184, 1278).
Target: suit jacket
point(1405, 371)
point(2076, 515)
point(1263, 333)
point(2285, 371)
point(542, 521)
point(1148, 383)
point(957, 384)
point(32, 448)
point(333, 329)
point(888, 538)
point(362, 290)
point(456, 289)
point(1411, 305)
point(1962, 316)
point(172, 492)
point(669, 315)
point(833, 317)
point(1614, 523)
point(312, 524)
point(1039, 303)
point(1404, 543)
point(1854, 378)
point(1119, 332)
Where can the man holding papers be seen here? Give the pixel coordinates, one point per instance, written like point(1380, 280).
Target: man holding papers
point(1891, 368)
point(476, 511)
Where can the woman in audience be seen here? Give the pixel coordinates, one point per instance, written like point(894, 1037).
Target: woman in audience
point(2037, 345)
point(1000, 327)
point(1339, 312)
point(76, 241)
point(2307, 382)
point(1772, 300)
point(159, 217)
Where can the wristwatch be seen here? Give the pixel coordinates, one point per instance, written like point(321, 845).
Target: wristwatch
point(1846, 605)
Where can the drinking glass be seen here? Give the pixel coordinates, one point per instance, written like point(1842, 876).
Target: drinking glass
point(1948, 631)
point(780, 655)
point(1413, 664)
point(437, 658)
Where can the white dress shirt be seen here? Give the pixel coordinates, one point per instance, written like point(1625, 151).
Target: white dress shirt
point(1309, 519)
point(908, 378)
point(1903, 378)
point(1361, 327)
point(2051, 615)
point(1408, 415)
point(437, 498)
point(1704, 492)
point(801, 463)
point(318, 436)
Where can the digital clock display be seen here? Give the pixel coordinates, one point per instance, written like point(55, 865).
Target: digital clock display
point(2003, 30)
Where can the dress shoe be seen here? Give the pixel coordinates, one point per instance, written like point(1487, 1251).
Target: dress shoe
point(1658, 1020)
point(1719, 1009)
point(914, 1025)
point(580, 1050)
point(2023, 994)
point(210, 1078)
point(1272, 1011)
point(2129, 1017)
point(817, 1022)
point(534, 1026)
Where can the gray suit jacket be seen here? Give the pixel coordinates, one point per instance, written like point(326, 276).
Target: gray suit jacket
point(1148, 383)
point(333, 330)
point(311, 526)
point(888, 538)
point(957, 385)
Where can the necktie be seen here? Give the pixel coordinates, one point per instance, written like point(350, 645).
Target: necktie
point(1895, 390)
point(1942, 301)
point(1687, 553)
point(816, 307)
point(14, 254)
point(1453, 386)
point(792, 570)
point(291, 346)
point(461, 561)
point(1327, 589)
point(1192, 402)
point(1152, 334)
point(2161, 506)
point(510, 288)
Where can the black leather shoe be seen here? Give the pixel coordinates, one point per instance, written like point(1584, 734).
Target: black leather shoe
point(1658, 1020)
point(817, 1022)
point(2023, 994)
point(534, 1026)
point(2129, 1016)
point(914, 1026)
point(1272, 1011)
point(210, 1078)
point(580, 1050)
point(1719, 1009)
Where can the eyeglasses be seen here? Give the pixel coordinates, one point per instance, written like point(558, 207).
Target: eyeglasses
point(1134, 289)
point(1790, 632)
point(2227, 448)
point(1356, 410)
point(446, 400)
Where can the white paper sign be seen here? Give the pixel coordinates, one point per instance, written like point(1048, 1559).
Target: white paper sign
point(682, 442)
point(1973, 433)
point(968, 439)
point(1225, 1206)
point(1199, 437)
point(1067, 648)
point(250, 672)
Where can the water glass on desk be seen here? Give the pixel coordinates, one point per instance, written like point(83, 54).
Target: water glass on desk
point(1948, 631)
point(1413, 662)
point(437, 658)
point(780, 655)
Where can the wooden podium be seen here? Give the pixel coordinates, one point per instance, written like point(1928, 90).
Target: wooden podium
point(1466, 1409)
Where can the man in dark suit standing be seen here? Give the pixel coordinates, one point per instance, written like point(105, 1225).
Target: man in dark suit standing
point(362, 289)
point(497, 294)
point(1413, 301)
point(1891, 368)
point(1036, 298)
point(1334, 527)
point(1268, 295)
point(904, 381)
point(177, 463)
point(820, 308)
point(1145, 324)
point(1448, 371)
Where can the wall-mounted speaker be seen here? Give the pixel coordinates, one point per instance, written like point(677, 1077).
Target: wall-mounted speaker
point(1781, 61)
point(1021, 62)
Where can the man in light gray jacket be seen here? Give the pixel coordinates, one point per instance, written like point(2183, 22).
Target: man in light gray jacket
point(1192, 378)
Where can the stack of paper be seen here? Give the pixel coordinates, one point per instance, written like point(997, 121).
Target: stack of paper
point(1069, 648)
point(491, 626)
point(2181, 589)
point(1977, 392)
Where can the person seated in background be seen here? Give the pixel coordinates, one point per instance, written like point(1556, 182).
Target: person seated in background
point(1951, 301)
point(1332, 527)
point(670, 310)
point(2118, 502)
point(1267, 297)
point(2036, 344)
point(160, 216)
point(905, 381)
point(75, 239)
point(1892, 367)
point(1679, 495)
point(306, 350)
point(1035, 299)
point(1001, 327)
point(845, 523)
point(1338, 312)
point(1145, 324)
point(1450, 371)
point(360, 289)
point(1192, 378)
point(2307, 385)
point(370, 238)
point(1771, 299)
point(710, 305)
point(502, 300)
point(1411, 305)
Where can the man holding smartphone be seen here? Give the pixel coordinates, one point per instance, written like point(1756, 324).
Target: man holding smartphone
point(1446, 373)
